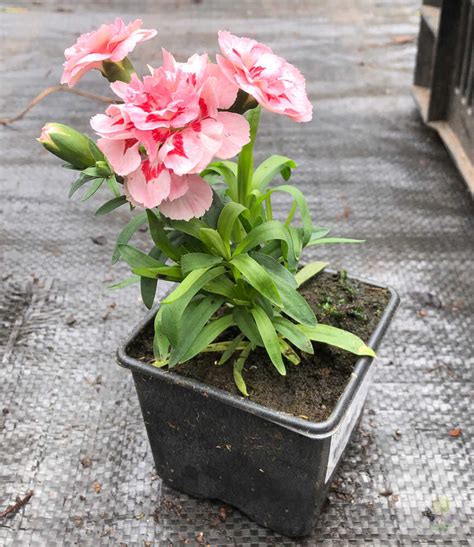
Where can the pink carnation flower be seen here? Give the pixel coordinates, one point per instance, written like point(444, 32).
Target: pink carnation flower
point(109, 43)
point(168, 129)
point(276, 84)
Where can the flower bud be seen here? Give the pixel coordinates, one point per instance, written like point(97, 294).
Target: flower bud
point(70, 145)
point(102, 168)
point(118, 70)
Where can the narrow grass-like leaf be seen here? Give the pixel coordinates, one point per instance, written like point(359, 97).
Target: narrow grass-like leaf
point(228, 171)
point(196, 261)
point(294, 304)
point(288, 352)
point(237, 371)
point(111, 205)
point(190, 283)
point(192, 324)
point(273, 229)
point(138, 259)
point(159, 236)
point(229, 214)
point(125, 283)
point(231, 349)
point(213, 241)
point(208, 334)
point(308, 271)
point(113, 185)
point(294, 334)
point(270, 168)
point(161, 344)
point(338, 338)
point(175, 304)
point(270, 338)
point(246, 323)
point(83, 179)
point(171, 273)
point(95, 185)
point(147, 285)
point(257, 277)
point(274, 268)
point(127, 232)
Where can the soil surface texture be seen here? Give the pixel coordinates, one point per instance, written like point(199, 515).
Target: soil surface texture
point(311, 389)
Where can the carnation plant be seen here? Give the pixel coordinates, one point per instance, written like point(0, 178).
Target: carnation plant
point(165, 151)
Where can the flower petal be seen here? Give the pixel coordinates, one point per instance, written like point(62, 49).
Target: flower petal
point(194, 203)
point(143, 193)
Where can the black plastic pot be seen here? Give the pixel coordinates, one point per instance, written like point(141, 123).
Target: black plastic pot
point(274, 467)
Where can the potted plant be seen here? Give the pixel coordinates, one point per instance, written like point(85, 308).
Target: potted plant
point(249, 387)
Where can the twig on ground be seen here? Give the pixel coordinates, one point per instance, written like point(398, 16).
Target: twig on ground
point(15, 507)
point(49, 91)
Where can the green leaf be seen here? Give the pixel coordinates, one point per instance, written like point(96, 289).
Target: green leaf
point(192, 323)
point(270, 338)
point(83, 179)
point(229, 214)
point(190, 283)
point(161, 344)
point(294, 334)
point(270, 168)
point(326, 240)
point(213, 242)
point(337, 337)
point(197, 261)
point(246, 323)
point(308, 271)
point(91, 172)
point(175, 303)
point(245, 162)
point(138, 259)
point(268, 231)
point(208, 334)
point(125, 283)
point(127, 232)
point(171, 273)
point(319, 232)
point(221, 285)
point(95, 185)
point(274, 268)
point(225, 169)
point(257, 276)
point(300, 200)
point(113, 185)
point(237, 371)
point(295, 305)
point(160, 237)
point(231, 349)
point(288, 352)
point(111, 205)
point(191, 227)
point(147, 285)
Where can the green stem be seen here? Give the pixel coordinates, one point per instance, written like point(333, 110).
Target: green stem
point(245, 163)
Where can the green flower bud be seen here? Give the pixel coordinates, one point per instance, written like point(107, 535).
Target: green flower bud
point(102, 168)
point(70, 145)
point(118, 70)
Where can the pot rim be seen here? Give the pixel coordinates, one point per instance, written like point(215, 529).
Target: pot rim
point(299, 425)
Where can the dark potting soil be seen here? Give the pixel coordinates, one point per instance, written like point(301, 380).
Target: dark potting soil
point(311, 389)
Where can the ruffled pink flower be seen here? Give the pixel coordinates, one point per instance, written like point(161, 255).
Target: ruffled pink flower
point(274, 83)
point(177, 197)
point(169, 127)
point(108, 43)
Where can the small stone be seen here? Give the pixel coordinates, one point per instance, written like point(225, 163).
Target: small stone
point(455, 432)
point(99, 240)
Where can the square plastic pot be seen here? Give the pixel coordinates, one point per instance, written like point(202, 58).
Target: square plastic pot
point(274, 467)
